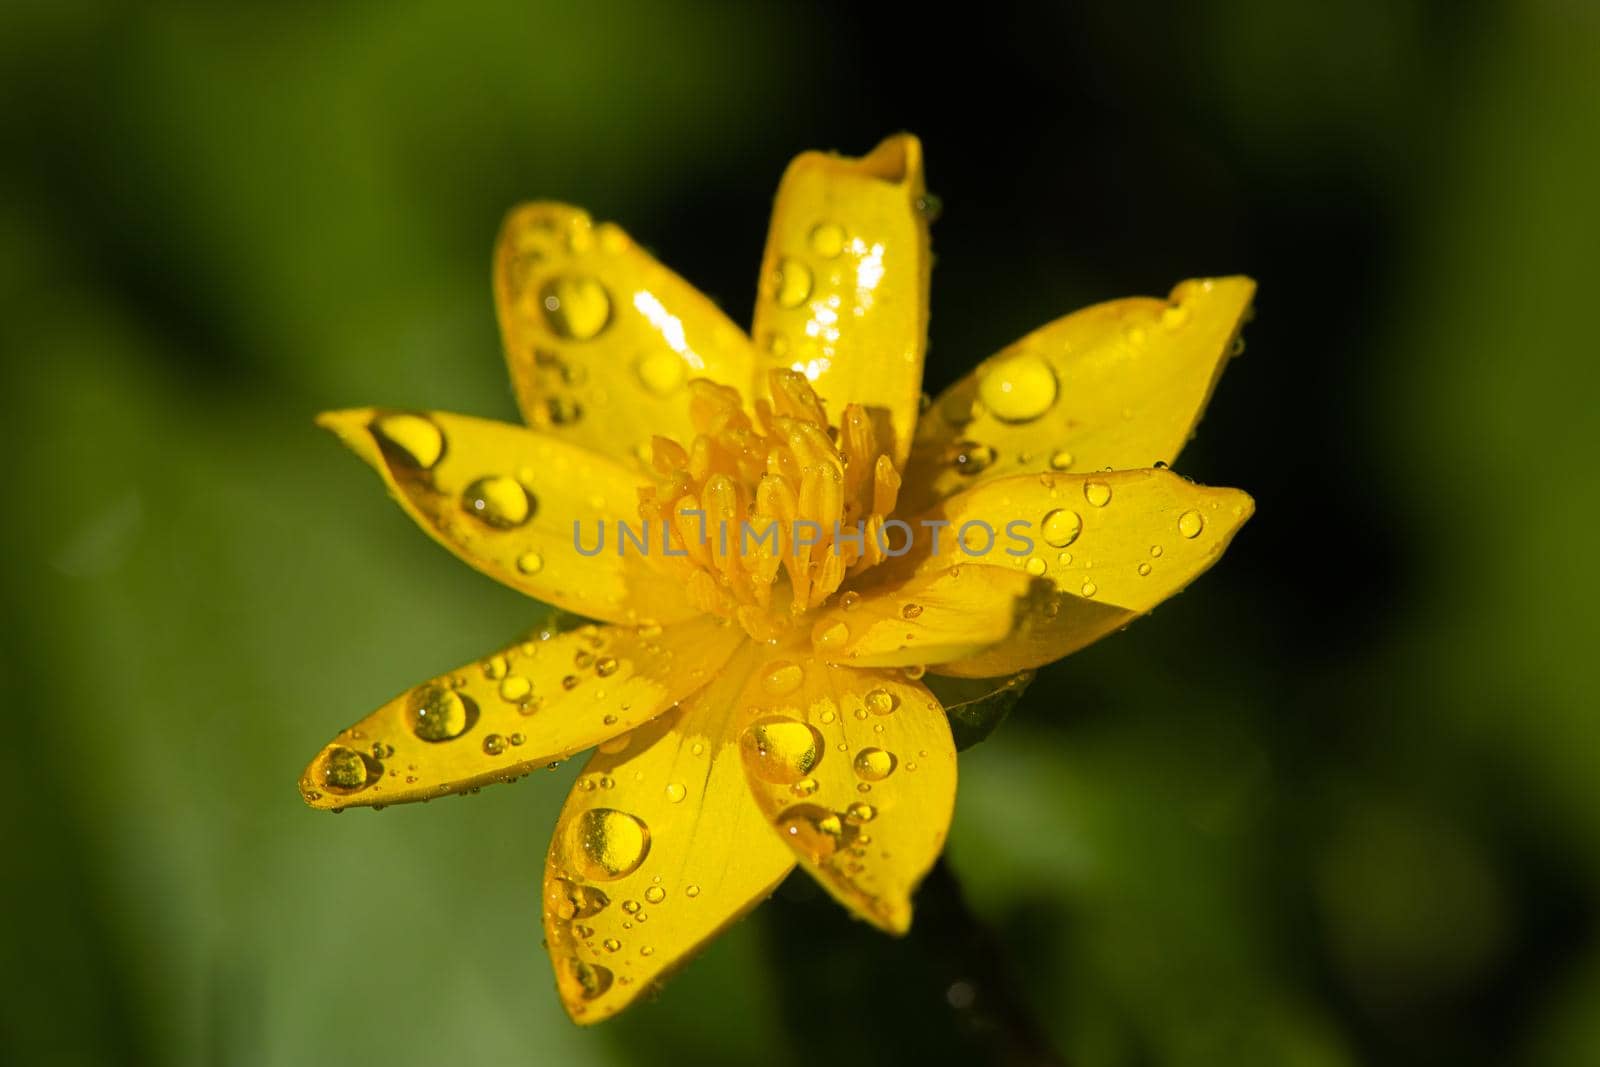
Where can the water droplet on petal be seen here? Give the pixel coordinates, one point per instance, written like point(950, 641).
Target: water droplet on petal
point(910, 611)
point(494, 668)
point(780, 749)
point(1060, 460)
point(792, 283)
point(827, 239)
point(804, 787)
point(676, 792)
point(413, 441)
point(1144, 569)
point(576, 306)
point(494, 744)
point(662, 373)
point(1036, 566)
point(1018, 389)
point(874, 764)
point(655, 894)
point(604, 843)
point(1097, 493)
point(438, 713)
point(881, 701)
point(859, 812)
point(1190, 523)
point(605, 666)
point(344, 769)
point(815, 830)
point(498, 501)
point(574, 900)
point(1061, 527)
point(782, 677)
point(582, 980)
point(969, 457)
point(530, 563)
point(1090, 589)
point(691, 890)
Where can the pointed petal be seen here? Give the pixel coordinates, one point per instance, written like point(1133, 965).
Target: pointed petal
point(844, 281)
point(1117, 386)
point(531, 702)
point(856, 770)
point(934, 617)
point(1112, 545)
point(599, 337)
point(658, 849)
point(516, 505)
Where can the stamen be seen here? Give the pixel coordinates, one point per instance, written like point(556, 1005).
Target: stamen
point(781, 495)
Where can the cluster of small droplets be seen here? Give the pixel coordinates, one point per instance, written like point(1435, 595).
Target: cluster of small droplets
point(731, 501)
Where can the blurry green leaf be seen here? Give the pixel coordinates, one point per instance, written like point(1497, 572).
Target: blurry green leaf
point(977, 705)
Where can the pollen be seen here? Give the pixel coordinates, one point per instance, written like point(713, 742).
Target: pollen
point(767, 515)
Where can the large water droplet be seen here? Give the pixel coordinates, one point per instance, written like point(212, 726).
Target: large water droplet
point(662, 373)
point(438, 713)
point(1018, 389)
point(576, 306)
point(409, 440)
point(782, 677)
point(827, 239)
point(344, 769)
point(815, 830)
point(1190, 523)
point(582, 980)
point(881, 701)
point(604, 843)
point(792, 284)
point(780, 749)
point(874, 764)
point(498, 501)
point(969, 457)
point(1061, 527)
point(1097, 493)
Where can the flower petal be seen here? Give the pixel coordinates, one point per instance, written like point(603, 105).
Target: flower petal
point(658, 849)
point(531, 702)
point(516, 505)
point(844, 281)
point(1117, 386)
point(599, 337)
point(942, 615)
point(1113, 546)
point(856, 771)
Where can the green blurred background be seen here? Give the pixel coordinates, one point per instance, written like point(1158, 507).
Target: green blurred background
point(1338, 804)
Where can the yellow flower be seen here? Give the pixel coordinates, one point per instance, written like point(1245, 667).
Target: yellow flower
point(753, 699)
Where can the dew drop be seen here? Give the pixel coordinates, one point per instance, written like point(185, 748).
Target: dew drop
point(1036, 566)
point(1060, 459)
point(1097, 493)
point(969, 457)
point(676, 792)
point(530, 563)
point(576, 306)
point(662, 373)
point(515, 688)
point(1061, 527)
point(910, 611)
point(826, 634)
point(1144, 569)
point(691, 890)
point(494, 668)
point(815, 830)
point(881, 701)
point(827, 239)
point(498, 501)
point(437, 713)
point(792, 283)
point(780, 749)
point(874, 764)
point(582, 980)
point(573, 900)
point(1190, 523)
point(1090, 589)
point(859, 812)
point(782, 677)
point(493, 745)
point(343, 769)
point(605, 666)
point(850, 600)
point(655, 894)
point(804, 787)
point(611, 944)
point(413, 441)
point(605, 844)
point(1019, 389)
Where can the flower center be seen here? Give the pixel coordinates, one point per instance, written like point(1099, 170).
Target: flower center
point(767, 515)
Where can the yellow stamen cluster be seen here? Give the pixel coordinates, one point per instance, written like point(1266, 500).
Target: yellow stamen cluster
point(767, 484)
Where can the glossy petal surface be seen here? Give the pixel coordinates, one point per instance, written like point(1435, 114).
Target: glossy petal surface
point(856, 771)
point(1112, 546)
point(1118, 386)
point(507, 500)
point(536, 700)
point(657, 850)
point(844, 281)
point(599, 337)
